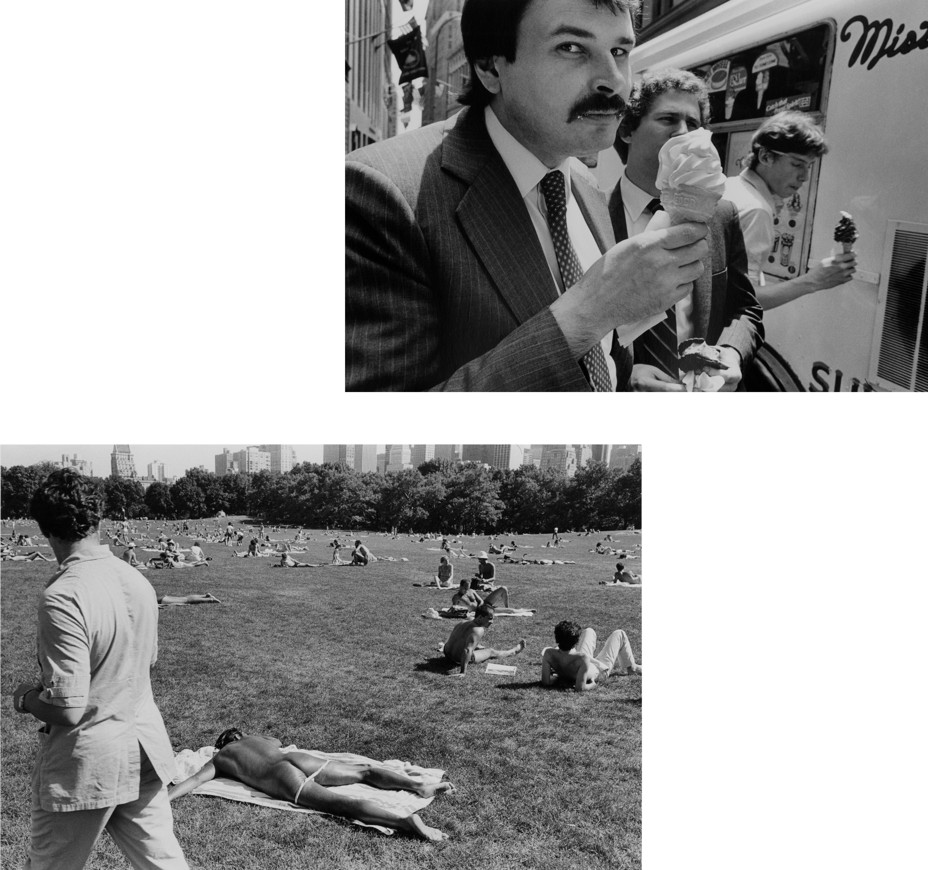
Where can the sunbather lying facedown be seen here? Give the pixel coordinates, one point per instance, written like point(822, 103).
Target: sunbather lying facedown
point(302, 778)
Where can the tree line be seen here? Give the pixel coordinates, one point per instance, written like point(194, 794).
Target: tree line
point(437, 496)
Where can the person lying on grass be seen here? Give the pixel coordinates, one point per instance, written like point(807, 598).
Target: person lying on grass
point(573, 662)
point(463, 646)
point(622, 577)
point(287, 561)
point(205, 598)
point(302, 779)
point(7, 555)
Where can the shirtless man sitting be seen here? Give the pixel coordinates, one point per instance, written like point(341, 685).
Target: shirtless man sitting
point(573, 662)
point(622, 577)
point(463, 646)
point(302, 778)
point(498, 599)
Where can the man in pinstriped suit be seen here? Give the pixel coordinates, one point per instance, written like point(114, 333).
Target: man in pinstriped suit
point(453, 280)
point(722, 307)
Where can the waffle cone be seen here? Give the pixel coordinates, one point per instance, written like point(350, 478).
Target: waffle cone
point(687, 203)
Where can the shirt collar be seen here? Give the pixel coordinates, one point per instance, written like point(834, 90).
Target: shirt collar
point(524, 167)
point(88, 554)
point(634, 198)
point(758, 183)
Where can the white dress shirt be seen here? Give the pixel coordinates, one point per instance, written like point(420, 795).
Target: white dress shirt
point(756, 204)
point(527, 171)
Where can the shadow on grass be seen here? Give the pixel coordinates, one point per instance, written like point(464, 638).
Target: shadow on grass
point(435, 665)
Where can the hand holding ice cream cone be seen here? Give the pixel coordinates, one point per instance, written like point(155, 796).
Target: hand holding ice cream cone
point(690, 177)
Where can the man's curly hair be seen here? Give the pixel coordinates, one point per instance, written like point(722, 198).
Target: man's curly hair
point(67, 505)
point(567, 634)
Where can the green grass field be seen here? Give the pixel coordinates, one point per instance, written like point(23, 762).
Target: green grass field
point(339, 659)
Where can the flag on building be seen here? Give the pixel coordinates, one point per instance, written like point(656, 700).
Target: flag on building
point(407, 48)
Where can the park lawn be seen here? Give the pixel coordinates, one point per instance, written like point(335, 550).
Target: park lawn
point(339, 659)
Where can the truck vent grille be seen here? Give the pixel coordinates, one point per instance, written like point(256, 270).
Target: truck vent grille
point(902, 361)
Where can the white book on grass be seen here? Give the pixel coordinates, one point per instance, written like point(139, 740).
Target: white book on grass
point(501, 669)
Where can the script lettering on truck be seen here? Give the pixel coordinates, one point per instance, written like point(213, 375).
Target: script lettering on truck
point(877, 40)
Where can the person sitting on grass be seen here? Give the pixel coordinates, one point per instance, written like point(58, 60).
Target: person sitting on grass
point(303, 779)
point(482, 581)
point(622, 577)
point(444, 578)
point(197, 555)
point(573, 661)
point(463, 646)
point(360, 555)
point(205, 598)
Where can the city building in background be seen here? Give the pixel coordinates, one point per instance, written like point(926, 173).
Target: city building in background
point(283, 456)
point(339, 454)
point(122, 463)
point(623, 455)
point(422, 453)
point(365, 457)
point(370, 95)
point(252, 460)
point(560, 457)
point(448, 451)
point(659, 16)
point(600, 452)
point(400, 457)
point(448, 69)
point(225, 464)
point(81, 466)
point(156, 471)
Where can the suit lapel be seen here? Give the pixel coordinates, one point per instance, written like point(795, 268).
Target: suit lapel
point(494, 218)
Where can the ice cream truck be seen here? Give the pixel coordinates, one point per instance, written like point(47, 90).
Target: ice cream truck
point(861, 68)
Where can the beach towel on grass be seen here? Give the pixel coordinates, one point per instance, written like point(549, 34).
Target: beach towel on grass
point(449, 613)
point(398, 803)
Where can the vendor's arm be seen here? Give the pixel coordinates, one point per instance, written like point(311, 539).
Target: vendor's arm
point(27, 699)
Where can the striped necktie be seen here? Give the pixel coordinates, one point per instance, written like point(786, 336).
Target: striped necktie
point(552, 187)
point(658, 346)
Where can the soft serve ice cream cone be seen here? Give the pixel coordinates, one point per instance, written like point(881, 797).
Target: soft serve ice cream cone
point(846, 232)
point(690, 177)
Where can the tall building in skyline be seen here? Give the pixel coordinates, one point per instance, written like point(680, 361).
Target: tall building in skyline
point(622, 456)
point(497, 455)
point(365, 457)
point(81, 466)
point(122, 463)
point(584, 452)
point(156, 470)
point(400, 457)
point(422, 453)
point(339, 454)
point(252, 459)
point(225, 463)
point(448, 451)
point(561, 457)
point(600, 452)
point(382, 460)
point(370, 96)
point(283, 457)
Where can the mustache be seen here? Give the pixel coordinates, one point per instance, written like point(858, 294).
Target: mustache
point(597, 103)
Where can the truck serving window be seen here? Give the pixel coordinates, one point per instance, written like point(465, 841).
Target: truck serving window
point(760, 81)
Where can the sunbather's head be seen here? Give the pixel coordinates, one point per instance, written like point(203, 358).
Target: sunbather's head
point(484, 614)
point(619, 566)
point(567, 634)
point(230, 735)
point(443, 560)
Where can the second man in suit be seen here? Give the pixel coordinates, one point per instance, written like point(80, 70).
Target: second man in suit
point(722, 307)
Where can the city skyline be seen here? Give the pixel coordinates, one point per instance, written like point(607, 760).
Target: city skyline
point(175, 458)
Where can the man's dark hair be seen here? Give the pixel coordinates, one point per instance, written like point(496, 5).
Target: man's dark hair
point(567, 634)
point(648, 89)
point(228, 736)
point(490, 28)
point(67, 505)
point(789, 133)
point(485, 610)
